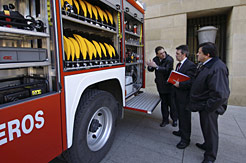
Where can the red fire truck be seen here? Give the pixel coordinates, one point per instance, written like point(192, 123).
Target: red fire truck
point(68, 68)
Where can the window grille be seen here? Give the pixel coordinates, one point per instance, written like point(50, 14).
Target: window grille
point(219, 21)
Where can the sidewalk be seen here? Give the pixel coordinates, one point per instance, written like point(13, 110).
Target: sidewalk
point(139, 139)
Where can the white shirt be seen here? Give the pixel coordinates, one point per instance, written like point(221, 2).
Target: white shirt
point(206, 61)
point(182, 62)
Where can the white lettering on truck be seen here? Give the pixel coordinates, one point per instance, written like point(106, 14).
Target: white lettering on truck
point(4, 140)
point(13, 130)
point(14, 126)
point(39, 119)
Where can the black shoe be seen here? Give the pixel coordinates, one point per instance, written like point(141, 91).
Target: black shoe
point(163, 123)
point(182, 145)
point(201, 146)
point(174, 124)
point(177, 133)
point(207, 161)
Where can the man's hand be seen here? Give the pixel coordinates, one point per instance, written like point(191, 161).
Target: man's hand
point(176, 84)
point(151, 63)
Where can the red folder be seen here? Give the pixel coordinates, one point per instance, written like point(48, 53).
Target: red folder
point(177, 76)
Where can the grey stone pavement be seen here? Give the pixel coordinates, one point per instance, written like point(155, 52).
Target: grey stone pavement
point(139, 139)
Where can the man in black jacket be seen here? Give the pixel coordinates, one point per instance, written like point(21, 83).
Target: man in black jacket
point(209, 95)
point(162, 64)
point(182, 95)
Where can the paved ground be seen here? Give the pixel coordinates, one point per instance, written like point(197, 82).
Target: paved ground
point(139, 139)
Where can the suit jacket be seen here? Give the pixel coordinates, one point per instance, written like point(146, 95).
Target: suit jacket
point(162, 74)
point(182, 93)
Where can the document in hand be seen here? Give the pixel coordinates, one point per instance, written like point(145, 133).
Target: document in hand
point(177, 76)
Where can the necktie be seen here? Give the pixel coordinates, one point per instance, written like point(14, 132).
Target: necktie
point(199, 66)
point(178, 66)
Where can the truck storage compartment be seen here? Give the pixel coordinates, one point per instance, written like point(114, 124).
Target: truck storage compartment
point(134, 47)
point(14, 89)
point(91, 34)
point(27, 50)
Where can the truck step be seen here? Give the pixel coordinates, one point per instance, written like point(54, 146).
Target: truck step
point(143, 102)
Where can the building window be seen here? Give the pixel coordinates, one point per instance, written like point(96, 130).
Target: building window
point(219, 21)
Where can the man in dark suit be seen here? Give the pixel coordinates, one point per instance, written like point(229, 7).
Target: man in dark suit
point(162, 64)
point(182, 95)
point(209, 95)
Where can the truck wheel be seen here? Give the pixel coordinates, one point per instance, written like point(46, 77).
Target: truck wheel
point(94, 128)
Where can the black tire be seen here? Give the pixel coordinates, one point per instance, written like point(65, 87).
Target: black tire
point(94, 128)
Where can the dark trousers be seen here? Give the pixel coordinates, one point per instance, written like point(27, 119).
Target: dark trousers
point(167, 101)
point(184, 117)
point(209, 125)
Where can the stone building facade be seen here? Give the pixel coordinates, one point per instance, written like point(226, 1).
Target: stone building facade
point(166, 25)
